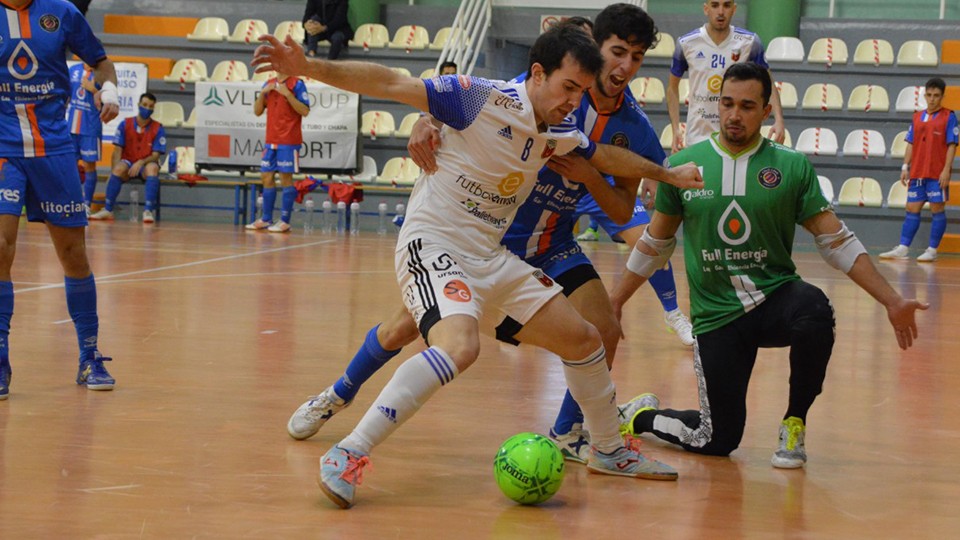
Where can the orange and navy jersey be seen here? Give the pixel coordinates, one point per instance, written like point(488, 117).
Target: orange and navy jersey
point(34, 83)
point(283, 123)
point(139, 142)
point(82, 114)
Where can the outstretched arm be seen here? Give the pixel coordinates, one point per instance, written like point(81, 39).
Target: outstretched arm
point(647, 256)
point(622, 162)
point(107, 99)
point(617, 201)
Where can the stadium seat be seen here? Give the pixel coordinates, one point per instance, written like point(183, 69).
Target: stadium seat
point(785, 49)
point(898, 148)
point(868, 98)
point(411, 38)
point(263, 76)
point(683, 89)
point(917, 53)
point(230, 71)
point(371, 36)
point(403, 71)
point(911, 99)
point(826, 187)
point(860, 191)
point(427, 73)
point(823, 96)
point(191, 122)
point(817, 141)
point(289, 28)
point(444, 34)
point(367, 174)
point(210, 29)
point(864, 143)
point(828, 51)
point(787, 139)
point(647, 90)
point(878, 52)
point(788, 95)
point(406, 125)
point(664, 48)
point(409, 173)
point(897, 195)
point(392, 170)
point(666, 136)
point(248, 31)
point(187, 70)
point(377, 124)
point(950, 51)
point(168, 113)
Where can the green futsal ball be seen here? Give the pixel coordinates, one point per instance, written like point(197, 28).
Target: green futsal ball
point(529, 468)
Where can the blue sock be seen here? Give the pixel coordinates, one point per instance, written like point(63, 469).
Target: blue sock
point(6, 313)
point(269, 200)
point(569, 415)
point(113, 189)
point(937, 228)
point(286, 204)
point(593, 225)
point(152, 190)
point(665, 287)
point(910, 225)
point(89, 186)
point(371, 357)
point(82, 305)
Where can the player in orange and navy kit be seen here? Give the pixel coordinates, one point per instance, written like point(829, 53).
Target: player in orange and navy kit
point(286, 101)
point(140, 142)
point(38, 169)
point(85, 126)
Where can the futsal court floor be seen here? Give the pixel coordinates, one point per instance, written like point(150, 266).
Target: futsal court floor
point(217, 335)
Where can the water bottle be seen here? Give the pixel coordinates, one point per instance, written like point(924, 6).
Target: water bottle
point(382, 222)
point(308, 222)
point(134, 206)
point(259, 205)
point(327, 217)
point(398, 219)
point(341, 217)
point(172, 161)
point(354, 218)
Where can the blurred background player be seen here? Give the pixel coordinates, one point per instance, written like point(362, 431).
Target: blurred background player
point(448, 68)
point(326, 20)
point(140, 141)
point(85, 126)
point(706, 53)
point(927, 166)
point(38, 167)
point(286, 101)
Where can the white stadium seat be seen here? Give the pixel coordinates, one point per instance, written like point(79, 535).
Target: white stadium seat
point(860, 191)
point(788, 95)
point(911, 99)
point(918, 53)
point(230, 71)
point(898, 148)
point(823, 96)
point(210, 29)
point(785, 49)
point(664, 48)
point(248, 31)
point(817, 141)
point(647, 90)
point(410, 38)
point(826, 187)
point(377, 124)
point(864, 143)
point(878, 52)
point(828, 51)
point(187, 70)
point(868, 98)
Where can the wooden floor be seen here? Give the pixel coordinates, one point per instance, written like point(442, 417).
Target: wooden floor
point(218, 335)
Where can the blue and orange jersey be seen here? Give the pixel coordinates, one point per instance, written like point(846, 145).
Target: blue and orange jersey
point(82, 114)
point(34, 82)
point(139, 142)
point(283, 123)
point(546, 219)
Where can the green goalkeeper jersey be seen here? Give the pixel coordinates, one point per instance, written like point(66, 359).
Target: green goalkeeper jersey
point(738, 230)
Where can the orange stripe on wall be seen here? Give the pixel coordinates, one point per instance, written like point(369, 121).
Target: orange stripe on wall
point(39, 148)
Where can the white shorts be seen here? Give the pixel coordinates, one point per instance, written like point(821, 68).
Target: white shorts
point(437, 282)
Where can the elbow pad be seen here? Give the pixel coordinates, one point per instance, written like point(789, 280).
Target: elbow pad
point(645, 265)
point(840, 249)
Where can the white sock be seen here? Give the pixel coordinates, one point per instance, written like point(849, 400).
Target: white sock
point(411, 386)
point(590, 384)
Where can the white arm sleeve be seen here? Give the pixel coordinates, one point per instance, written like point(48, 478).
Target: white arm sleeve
point(840, 249)
point(645, 265)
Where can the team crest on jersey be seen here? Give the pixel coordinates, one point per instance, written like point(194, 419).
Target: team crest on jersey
point(543, 278)
point(735, 55)
point(50, 23)
point(770, 177)
point(620, 139)
point(457, 291)
point(549, 149)
point(734, 226)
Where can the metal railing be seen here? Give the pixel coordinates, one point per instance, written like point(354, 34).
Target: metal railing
point(467, 33)
point(943, 9)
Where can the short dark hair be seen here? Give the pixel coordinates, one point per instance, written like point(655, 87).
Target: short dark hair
point(750, 71)
point(560, 40)
point(629, 23)
point(449, 63)
point(938, 83)
point(577, 20)
point(147, 95)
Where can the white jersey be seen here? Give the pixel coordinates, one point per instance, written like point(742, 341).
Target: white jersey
point(487, 164)
point(707, 61)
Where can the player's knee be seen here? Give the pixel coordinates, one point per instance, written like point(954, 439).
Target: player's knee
point(581, 341)
point(120, 170)
point(463, 352)
point(816, 316)
point(152, 169)
point(397, 336)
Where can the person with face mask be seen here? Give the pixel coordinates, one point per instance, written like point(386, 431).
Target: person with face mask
point(139, 143)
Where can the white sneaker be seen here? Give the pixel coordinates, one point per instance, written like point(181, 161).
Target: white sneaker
point(280, 227)
point(589, 235)
point(574, 445)
point(257, 225)
point(680, 325)
point(791, 453)
point(929, 255)
point(900, 252)
point(148, 216)
point(310, 417)
point(102, 215)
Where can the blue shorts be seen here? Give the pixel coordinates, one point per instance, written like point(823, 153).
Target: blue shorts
point(926, 190)
point(283, 158)
point(590, 207)
point(143, 170)
point(48, 186)
point(560, 259)
point(87, 147)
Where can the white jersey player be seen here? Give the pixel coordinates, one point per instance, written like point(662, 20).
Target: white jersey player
point(452, 271)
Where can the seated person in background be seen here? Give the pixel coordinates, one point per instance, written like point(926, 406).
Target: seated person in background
point(326, 20)
point(448, 68)
point(139, 143)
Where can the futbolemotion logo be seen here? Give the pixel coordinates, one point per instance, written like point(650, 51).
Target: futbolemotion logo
point(714, 83)
point(734, 226)
point(213, 98)
point(510, 184)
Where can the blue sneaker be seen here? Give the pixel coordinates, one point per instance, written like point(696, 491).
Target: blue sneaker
point(341, 471)
point(5, 375)
point(94, 375)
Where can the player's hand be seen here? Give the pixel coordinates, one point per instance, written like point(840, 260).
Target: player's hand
point(677, 141)
point(686, 176)
point(648, 192)
point(576, 169)
point(88, 84)
point(268, 88)
point(944, 179)
point(778, 133)
point(312, 27)
point(423, 144)
point(902, 318)
point(905, 178)
point(135, 168)
point(283, 90)
point(283, 57)
point(108, 111)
